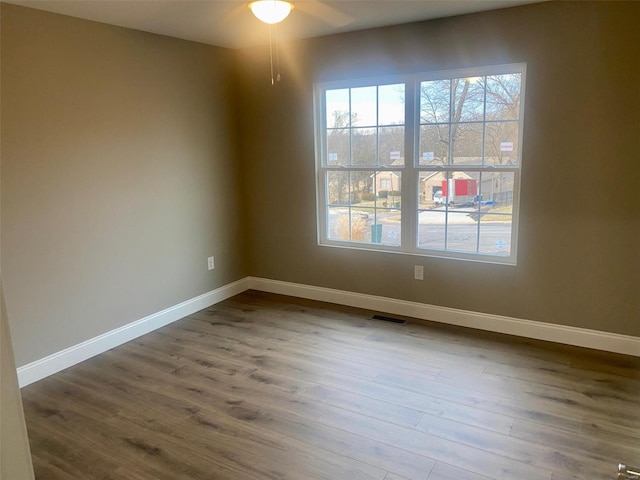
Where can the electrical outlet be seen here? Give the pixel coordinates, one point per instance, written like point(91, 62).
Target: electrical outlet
point(418, 272)
point(210, 263)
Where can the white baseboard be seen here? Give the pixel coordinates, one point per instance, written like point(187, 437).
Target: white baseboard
point(580, 337)
point(58, 361)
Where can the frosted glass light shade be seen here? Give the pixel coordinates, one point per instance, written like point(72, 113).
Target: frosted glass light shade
point(271, 11)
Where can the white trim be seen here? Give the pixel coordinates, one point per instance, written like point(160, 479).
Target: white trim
point(580, 337)
point(58, 361)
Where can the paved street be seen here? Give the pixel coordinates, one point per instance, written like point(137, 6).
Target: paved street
point(494, 237)
point(461, 232)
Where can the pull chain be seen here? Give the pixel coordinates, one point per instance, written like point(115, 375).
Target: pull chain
point(271, 53)
point(277, 55)
point(275, 78)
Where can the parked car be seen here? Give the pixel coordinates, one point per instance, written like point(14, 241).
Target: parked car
point(437, 198)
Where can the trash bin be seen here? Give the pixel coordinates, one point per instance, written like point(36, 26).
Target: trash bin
point(376, 233)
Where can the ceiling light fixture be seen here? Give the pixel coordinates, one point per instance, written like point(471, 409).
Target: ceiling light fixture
point(271, 11)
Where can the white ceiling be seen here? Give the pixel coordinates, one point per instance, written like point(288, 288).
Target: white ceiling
point(229, 23)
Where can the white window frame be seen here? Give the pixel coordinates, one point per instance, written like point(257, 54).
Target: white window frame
point(411, 169)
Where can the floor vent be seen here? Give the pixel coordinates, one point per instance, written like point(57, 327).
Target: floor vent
point(389, 319)
point(626, 472)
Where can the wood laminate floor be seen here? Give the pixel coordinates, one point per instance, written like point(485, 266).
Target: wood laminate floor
point(270, 387)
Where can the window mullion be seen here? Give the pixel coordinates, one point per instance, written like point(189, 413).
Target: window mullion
point(484, 136)
point(450, 163)
point(350, 130)
point(409, 194)
point(377, 126)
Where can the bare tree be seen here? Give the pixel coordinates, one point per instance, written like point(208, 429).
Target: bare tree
point(461, 103)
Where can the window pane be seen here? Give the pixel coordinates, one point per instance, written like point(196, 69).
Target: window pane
point(495, 234)
point(361, 185)
point(461, 189)
point(434, 145)
point(366, 224)
point(496, 192)
point(431, 228)
point(391, 145)
point(363, 106)
point(391, 104)
point(462, 230)
point(430, 190)
point(391, 229)
point(435, 101)
point(388, 205)
point(357, 225)
point(338, 216)
point(387, 186)
point(349, 225)
point(338, 147)
point(338, 188)
point(364, 146)
point(351, 205)
point(337, 103)
point(503, 96)
point(467, 143)
point(459, 197)
point(360, 215)
point(468, 99)
point(382, 186)
point(501, 143)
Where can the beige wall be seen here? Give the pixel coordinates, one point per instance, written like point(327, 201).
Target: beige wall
point(579, 236)
point(118, 179)
point(15, 457)
point(128, 158)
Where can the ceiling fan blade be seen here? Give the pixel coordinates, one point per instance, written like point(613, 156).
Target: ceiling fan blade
point(239, 10)
point(324, 12)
